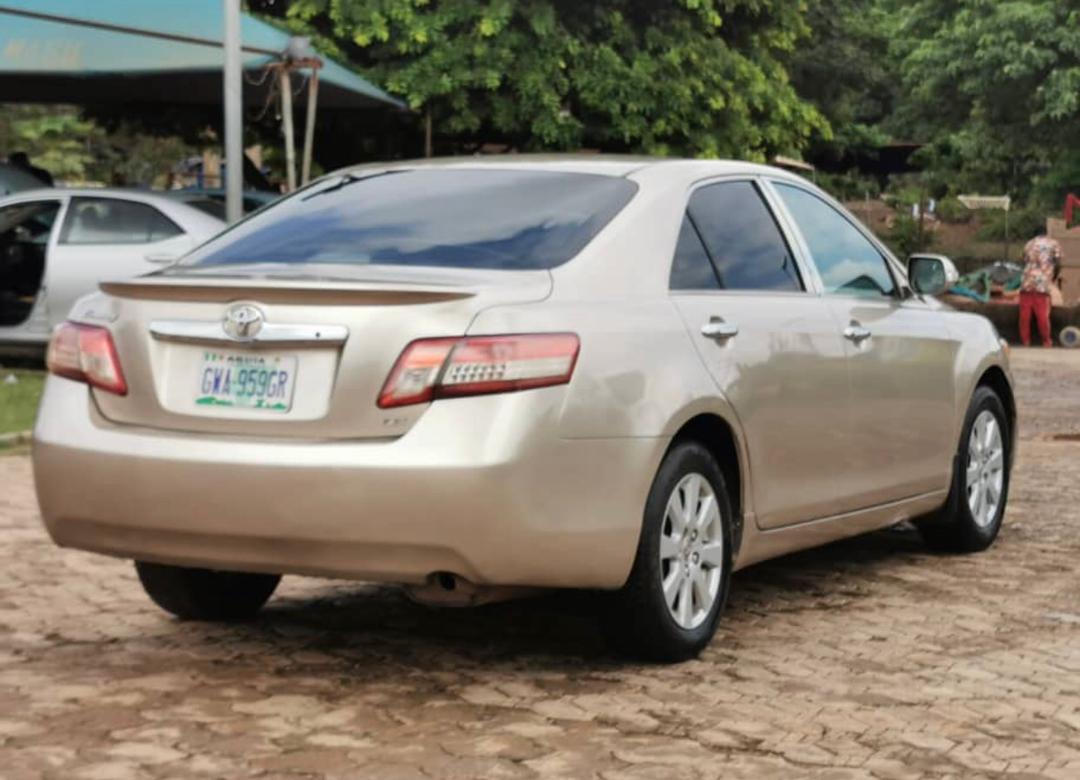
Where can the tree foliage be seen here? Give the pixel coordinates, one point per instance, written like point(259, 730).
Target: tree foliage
point(698, 77)
point(844, 69)
point(995, 84)
point(54, 138)
point(75, 148)
point(992, 87)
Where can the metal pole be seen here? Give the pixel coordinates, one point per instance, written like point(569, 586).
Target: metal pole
point(287, 124)
point(309, 125)
point(234, 119)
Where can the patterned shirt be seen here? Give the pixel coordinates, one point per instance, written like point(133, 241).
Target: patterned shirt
point(1041, 257)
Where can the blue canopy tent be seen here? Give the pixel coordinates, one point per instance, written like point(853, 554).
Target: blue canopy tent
point(164, 51)
point(75, 51)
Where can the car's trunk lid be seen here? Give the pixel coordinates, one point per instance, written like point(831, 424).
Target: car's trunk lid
point(336, 332)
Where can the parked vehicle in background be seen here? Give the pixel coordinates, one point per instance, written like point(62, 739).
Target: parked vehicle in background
point(57, 244)
point(629, 375)
point(212, 200)
point(14, 179)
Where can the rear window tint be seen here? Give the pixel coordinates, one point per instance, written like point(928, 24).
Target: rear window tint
point(743, 238)
point(692, 269)
point(499, 219)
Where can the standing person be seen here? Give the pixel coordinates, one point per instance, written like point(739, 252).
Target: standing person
point(1042, 255)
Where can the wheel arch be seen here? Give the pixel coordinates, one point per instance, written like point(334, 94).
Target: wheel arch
point(995, 378)
point(719, 437)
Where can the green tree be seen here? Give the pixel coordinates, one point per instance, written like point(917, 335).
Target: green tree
point(76, 148)
point(126, 155)
point(699, 77)
point(55, 138)
point(995, 84)
point(846, 70)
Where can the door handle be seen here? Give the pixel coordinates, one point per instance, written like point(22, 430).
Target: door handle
point(856, 333)
point(161, 258)
point(718, 329)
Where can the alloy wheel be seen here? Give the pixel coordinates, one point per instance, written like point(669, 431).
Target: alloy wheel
point(985, 468)
point(691, 551)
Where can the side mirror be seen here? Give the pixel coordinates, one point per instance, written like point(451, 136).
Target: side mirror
point(931, 274)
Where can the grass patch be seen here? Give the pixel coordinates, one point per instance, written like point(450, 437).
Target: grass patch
point(19, 400)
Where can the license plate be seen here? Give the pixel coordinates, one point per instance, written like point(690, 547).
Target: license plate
point(246, 380)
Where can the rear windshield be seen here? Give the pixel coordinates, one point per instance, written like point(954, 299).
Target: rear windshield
point(500, 219)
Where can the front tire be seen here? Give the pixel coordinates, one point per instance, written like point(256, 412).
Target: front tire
point(972, 515)
point(670, 605)
point(206, 594)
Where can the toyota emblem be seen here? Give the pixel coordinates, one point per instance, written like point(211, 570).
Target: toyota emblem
point(243, 321)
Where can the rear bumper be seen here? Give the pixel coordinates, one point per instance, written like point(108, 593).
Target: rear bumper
point(480, 487)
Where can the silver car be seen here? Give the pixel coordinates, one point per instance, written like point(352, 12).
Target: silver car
point(480, 377)
point(57, 244)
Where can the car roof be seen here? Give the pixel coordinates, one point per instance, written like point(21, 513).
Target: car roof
point(176, 209)
point(602, 164)
point(121, 193)
point(195, 193)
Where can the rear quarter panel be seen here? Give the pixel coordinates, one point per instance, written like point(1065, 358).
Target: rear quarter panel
point(638, 379)
point(636, 369)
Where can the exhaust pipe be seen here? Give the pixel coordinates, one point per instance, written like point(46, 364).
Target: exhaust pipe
point(446, 589)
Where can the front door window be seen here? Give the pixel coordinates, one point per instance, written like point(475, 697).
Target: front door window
point(849, 264)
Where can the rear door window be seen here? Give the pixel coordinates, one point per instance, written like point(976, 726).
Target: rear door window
point(692, 269)
point(742, 238)
point(114, 221)
point(498, 219)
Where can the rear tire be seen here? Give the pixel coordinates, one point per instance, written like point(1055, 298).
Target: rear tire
point(972, 515)
point(206, 594)
point(669, 607)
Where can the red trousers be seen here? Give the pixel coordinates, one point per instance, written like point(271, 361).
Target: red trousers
point(1039, 303)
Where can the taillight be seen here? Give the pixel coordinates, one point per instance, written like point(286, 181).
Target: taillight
point(476, 365)
point(86, 353)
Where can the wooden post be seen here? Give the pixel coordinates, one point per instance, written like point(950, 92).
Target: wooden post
point(309, 125)
point(1007, 232)
point(921, 234)
point(428, 150)
point(287, 126)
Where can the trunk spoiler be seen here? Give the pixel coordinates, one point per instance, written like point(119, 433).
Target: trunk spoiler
point(295, 291)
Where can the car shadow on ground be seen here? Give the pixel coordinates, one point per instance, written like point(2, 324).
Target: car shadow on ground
point(361, 624)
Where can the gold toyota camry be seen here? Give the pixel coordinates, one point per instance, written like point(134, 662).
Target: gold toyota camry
point(479, 377)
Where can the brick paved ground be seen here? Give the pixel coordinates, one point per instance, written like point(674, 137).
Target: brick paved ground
point(869, 658)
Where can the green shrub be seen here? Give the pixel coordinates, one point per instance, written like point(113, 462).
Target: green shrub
point(906, 195)
point(953, 212)
point(1022, 224)
point(907, 237)
point(849, 186)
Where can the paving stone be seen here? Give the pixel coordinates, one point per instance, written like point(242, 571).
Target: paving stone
point(871, 658)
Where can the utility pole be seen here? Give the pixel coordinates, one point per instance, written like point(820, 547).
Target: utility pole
point(234, 120)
